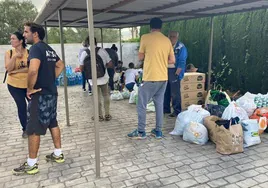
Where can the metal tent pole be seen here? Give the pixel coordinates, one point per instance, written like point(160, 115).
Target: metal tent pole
point(120, 44)
point(210, 51)
point(101, 37)
point(64, 71)
point(46, 35)
point(94, 79)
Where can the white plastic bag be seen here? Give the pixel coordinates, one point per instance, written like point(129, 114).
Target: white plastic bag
point(195, 113)
point(116, 96)
point(233, 110)
point(132, 97)
point(195, 133)
point(251, 132)
point(150, 107)
point(125, 93)
point(247, 103)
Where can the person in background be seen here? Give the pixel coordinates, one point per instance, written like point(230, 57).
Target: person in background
point(119, 78)
point(84, 80)
point(114, 48)
point(157, 52)
point(102, 82)
point(111, 71)
point(191, 68)
point(16, 67)
point(131, 76)
point(44, 67)
point(175, 75)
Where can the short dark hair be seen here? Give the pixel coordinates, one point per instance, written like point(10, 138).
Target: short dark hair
point(20, 37)
point(131, 65)
point(156, 23)
point(34, 27)
point(87, 41)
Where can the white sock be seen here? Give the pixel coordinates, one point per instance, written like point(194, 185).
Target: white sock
point(57, 152)
point(31, 162)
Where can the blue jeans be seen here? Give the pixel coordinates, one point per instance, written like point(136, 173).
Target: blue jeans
point(19, 96)
point(173, 91)
point(84, 81)
point(147, 91)
point(130, 86)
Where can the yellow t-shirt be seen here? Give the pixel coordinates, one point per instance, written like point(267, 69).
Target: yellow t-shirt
point(157, 48)
point(18, 80)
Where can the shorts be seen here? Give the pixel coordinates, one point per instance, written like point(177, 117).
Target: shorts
point(41, 114)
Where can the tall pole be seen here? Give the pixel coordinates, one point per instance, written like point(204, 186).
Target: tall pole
point(46, 36)
point(94, 79)
point(120, 44)
point(64, 71)
point(210, 51)
point(101, 37)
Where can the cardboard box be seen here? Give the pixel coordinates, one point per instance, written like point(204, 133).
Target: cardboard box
point(193, 77)
point(186, 103)
point(185, 87)
point(192, 95)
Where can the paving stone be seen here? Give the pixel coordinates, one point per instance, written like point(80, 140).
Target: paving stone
point(169, 180)
point(153, 184)
point(249, 173)
point(201, 179)
point(217, 183)
point(167, 173)
point(186, 183)
point(247, 183)
point(135, 181)
point(261, 178)
point(234, 178)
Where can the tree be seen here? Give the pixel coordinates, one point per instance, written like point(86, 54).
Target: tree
point(13, 16)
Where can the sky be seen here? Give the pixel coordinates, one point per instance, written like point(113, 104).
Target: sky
point(126, 34)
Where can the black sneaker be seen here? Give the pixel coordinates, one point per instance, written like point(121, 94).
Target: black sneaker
point(172, 115)
point(26, 169)
point(53, 158)
point(24, 134)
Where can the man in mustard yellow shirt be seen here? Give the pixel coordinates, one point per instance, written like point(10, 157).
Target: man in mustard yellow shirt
point(157, 52)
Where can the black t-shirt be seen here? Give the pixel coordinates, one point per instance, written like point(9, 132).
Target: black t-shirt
point(46, 73)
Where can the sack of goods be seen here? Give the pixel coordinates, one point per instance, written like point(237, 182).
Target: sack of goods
point(217, 97)
point(125, 93)
point(133, 98)
point(194, 113)
point(251, 132)
point(247, 103)
point(233, 111)
point(195, 133)
point(210, 124)
point(116, 96)
point(261, 115)
point(215, 110)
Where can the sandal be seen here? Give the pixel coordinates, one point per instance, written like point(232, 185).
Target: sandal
point(100, 118)
point(108, 117)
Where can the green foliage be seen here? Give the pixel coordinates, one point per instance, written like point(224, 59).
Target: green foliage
point(77, 35)
point(240, 50)
point(13, 15)
point(132, 40)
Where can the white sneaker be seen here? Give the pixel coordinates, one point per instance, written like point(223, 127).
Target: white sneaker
point(111, 92)
point(90, 93)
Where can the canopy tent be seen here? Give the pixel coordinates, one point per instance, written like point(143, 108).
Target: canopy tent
point(129, 13)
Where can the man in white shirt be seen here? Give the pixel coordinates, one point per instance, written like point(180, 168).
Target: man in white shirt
point(131, 75)
point(84, 80)
point(102, 82)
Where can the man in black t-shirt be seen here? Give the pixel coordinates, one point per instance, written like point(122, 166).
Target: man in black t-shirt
point(44, 67)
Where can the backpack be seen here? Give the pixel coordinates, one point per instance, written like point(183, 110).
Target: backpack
point(5, 77)
point(113, 55)
point(99, 65)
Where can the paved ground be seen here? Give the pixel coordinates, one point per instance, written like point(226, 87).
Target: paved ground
point(168, 163)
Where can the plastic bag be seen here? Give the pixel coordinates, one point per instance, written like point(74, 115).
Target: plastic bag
point(261, 115)
point(195, 113)
point(132, 97)
point(251, 132)
point(125, 93)
point(150, 107)
point(233, 111)
point(116, 96)
point(247, 103)
point(215, 110)
point(195, 133)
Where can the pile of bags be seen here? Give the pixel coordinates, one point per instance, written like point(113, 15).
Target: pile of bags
point(232, 126)
point(117, 95)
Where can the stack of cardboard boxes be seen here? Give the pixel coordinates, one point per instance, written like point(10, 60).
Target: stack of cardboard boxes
point(192, 89)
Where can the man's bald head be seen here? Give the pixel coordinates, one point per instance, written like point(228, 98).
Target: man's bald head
point(173, 36)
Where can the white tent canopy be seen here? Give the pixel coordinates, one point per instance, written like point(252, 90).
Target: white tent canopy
point(127, 13)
